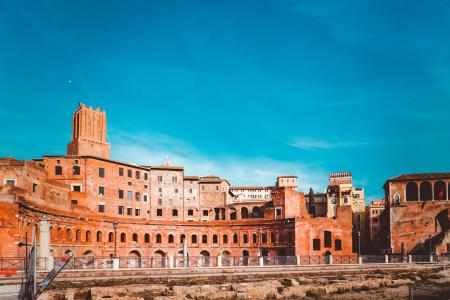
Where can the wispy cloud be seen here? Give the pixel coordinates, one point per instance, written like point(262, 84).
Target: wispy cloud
point(152, 149)
point(307, 143)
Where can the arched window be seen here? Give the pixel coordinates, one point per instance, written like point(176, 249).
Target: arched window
point(216, 213)
point(58, 170)
point(182, 238)
point(412, 191)
point(111, 237)
point(233, 214)
point(170, 239)
point(147, 238)
point(244, 213)
point(194, 239)
point(215, 239)
point(99, 236)
point(225, 239)
point(77, 235)
point(158, 238)
point(123, 237)
point(68, 234)
point(204, 239)
point(88, 236)
point(426, 193)
point(255, 212)
point(439, 191)
point(135, 237)
point(58, 233)
point(76, 170)
point(175, 213)
point(245, 238)
point(235, 239)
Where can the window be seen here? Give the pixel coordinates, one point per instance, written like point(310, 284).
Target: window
point(130, 173)
point(120, 194)
point(111, 237)
point(190, 212)
point(327, 239)
point(203, 187)
point(120, 210)
point(101, 208)
point(190, 191)
point(129, 211)
point(160, 190)
point(337, 245)
point(77, 235)
point(99, 236)
point(137, 212)
point(217, 187)
point(175, 213)
point(74, 202)
point(158, 238)
point(245, 238)
point(58, 170)
point(101, 191)
point(76, 170)
point(68, 235)
point(159, 201)
point(215, 239)
point(264, 238)
point(316, 244)
point(35, 185)
point(174, 178)
point(273, 237)
point(147, 238)
point(159, 212)
point(205, 213)
point(145, 198)
point(225, 239)
point(101, 172)
point(120, 171)
point(170, 239)
point(235, 239)
point(160, 178)
point(204, 239)
point(182, 238)
point(145, 176)
point(176, 191)
point(255, 238)
point(123, 237)
point(138, 175)
point(194, 239)
point(129, 195)
point(137, 196)
point(88, 236)
point(135, 237)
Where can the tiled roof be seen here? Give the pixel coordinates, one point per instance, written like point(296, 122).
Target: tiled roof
point(421, 176)
point(251, 187)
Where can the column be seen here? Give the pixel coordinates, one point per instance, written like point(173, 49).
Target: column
point(219, 261)
point(44, 240)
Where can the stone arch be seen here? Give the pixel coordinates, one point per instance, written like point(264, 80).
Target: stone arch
point(68, 252)
point(206, 258)
point(426, 191)
point(412, 191)
point(440, 192)
point(226, 258)
point(442, 221)
point(244, 212)
point(160, 259)
point(170, 239)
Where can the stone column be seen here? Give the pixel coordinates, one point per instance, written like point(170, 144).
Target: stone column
point(386, 259)
point(410, 258)
point(330, 259)
point(261, 261)
point(299, 260)
point(170, 261)
point(115, 263)
point(44, 243)
point(219, 261)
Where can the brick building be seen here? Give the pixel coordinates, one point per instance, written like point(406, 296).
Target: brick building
point(417, 214)
point(89, 204)
point(373, 236)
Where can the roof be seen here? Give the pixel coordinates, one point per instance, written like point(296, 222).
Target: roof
point(98, 158)
point(421, 176)
point(287, 176)
point(177, 168)
point(251, 187)
point(191, 178)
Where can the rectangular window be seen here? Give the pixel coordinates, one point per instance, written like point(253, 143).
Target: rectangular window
point(130, 173)
point(101, 172)
point(264, 238)
point(120, 210)
point(159, 201)
point(190, 191)
point(138, 175)
point(190, 212)
point(120, 171)
point(337, 245)
point(137, 196)
point(160, 178)
point(101, 208)
point(160, 190)
point(137, 212)
point(176, 191)
point(129, 211)
point(10, 182)
point(120, 194)
point(130, 195)
point(35, 185)
point(145, 176)
point(316, 244)
point(74, 202)
point(76, 187)
point(205, 213)
point(101, 191)
point(145, 198)
point(159, 212)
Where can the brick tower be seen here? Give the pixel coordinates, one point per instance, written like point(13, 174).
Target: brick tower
point(89, 133)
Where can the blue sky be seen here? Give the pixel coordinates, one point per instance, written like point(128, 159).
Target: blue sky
point(247, 90)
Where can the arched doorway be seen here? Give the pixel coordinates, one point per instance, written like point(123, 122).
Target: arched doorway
point(440, 192)
point(245, 256)
point(327, 257)
point(206, 258)
point(134, 259)
point(159, 259)
point(244, 212)
point(226, 258)
point(88, 260)
point(256, 213)
point(412, 191)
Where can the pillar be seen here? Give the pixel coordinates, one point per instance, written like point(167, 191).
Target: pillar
point(360, 259)
point(44, 238)
point(386, 259)
point(261, 261)
point(299, 260)
point(219, 261)
point(170, 261)
point(115, 264)
point(330, 259)
point(410, 258)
